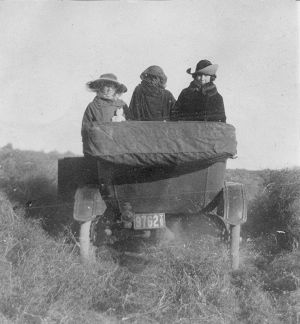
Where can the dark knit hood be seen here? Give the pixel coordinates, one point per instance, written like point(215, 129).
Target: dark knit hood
point(154, 75)
point(149, 89)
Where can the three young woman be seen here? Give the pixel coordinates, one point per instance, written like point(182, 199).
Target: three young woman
point(152, 101)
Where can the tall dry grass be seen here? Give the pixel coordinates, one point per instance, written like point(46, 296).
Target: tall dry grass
point(42, 280)
point(182, 282)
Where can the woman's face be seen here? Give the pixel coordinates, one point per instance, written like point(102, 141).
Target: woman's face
point(202, 79)
point(108, 91)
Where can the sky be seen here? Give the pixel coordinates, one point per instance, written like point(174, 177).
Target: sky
point(51, 49)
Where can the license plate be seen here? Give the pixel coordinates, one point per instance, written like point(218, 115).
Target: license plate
point(149, 221)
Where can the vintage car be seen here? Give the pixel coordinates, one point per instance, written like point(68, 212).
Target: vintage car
point(135, 176)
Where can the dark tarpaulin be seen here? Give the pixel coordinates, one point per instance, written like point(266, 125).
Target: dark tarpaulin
point(146, 144)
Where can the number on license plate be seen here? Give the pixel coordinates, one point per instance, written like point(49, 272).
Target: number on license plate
point(149, 221)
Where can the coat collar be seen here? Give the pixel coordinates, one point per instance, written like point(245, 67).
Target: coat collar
point(108, 102)
point(208, 89)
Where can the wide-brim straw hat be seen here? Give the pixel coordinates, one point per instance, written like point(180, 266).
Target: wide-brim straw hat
point(204, 67)
point(107, 78)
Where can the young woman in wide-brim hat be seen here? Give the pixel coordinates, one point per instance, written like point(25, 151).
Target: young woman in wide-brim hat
point(107, 100)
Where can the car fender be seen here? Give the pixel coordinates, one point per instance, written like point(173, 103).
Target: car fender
point(234, 203)
point(88, 203)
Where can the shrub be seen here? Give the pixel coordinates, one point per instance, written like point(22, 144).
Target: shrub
point(29, 179)
point(278, 206)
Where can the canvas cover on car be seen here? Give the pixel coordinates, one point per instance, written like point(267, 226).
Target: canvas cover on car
point(144, 144)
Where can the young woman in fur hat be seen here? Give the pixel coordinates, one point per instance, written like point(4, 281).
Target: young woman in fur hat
point(150, 100)
point(201, 100)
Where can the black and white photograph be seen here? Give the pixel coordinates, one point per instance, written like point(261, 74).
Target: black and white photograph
point(150, 162)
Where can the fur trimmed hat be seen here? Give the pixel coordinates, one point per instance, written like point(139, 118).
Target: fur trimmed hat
point(204, 67)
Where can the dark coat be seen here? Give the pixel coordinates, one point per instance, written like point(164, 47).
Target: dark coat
point(193, 104)
point(150, 103)
point(101, 110)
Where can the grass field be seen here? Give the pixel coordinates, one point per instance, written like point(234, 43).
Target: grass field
point(183, 281)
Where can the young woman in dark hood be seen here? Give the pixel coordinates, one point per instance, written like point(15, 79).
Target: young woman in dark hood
point(201, 100)
point(150, 100)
